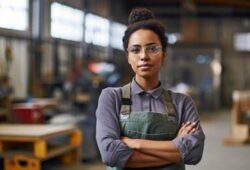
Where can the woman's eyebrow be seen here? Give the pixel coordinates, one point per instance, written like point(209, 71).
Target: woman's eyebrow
point(152, 43)
point(148, 44)
point(135, 45)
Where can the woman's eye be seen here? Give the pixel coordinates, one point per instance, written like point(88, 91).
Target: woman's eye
point(151, 49)
point(135, 50)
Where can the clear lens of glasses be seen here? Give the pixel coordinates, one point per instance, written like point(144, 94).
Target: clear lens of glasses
point(150, 49)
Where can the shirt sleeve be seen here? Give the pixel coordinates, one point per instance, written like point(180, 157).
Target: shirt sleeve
point(191, 145)
point(113, 151)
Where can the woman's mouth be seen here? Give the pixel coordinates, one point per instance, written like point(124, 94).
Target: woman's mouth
point(145, 66)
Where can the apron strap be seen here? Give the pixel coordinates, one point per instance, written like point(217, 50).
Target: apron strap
point(126, 99)
point(169, 104)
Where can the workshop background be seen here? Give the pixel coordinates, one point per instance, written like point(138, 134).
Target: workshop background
point(57, 55)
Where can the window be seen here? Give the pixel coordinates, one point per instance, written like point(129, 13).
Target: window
point(14, 14)
point(97, 30)
point(242, 41)
point(66, 22)
point(117, 33)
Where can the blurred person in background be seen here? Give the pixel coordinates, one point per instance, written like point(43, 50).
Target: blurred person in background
point(142, 125)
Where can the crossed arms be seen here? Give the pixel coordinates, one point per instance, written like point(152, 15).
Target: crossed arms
point(150, 153)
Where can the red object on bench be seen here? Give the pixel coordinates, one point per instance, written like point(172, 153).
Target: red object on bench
point(27, 113)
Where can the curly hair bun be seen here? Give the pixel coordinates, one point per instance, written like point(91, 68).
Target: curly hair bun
point(140, 14)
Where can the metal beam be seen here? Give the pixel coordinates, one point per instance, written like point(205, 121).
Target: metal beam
point(232, 3)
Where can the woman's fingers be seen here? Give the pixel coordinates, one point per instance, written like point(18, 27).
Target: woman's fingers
point(184, 125)
point(187, 128)
point(193, 130)
point(190, 127)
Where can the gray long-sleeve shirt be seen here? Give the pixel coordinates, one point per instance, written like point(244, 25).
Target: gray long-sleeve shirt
point(114, 152)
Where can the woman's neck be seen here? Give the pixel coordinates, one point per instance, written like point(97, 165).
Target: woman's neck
point(147, 84)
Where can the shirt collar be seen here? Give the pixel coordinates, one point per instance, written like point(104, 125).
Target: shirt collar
point(136, 89)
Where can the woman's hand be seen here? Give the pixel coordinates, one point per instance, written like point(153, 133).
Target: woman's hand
point(132, 143)
point(186, 128)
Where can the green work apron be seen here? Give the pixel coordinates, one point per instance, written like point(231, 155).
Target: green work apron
point(148, 125)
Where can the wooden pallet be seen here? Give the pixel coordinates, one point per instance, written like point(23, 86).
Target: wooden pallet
point(26, 146)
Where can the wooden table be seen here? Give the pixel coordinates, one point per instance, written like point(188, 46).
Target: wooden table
point(37, 137)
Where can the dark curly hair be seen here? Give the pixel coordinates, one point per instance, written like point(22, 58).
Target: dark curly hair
point(142, 18)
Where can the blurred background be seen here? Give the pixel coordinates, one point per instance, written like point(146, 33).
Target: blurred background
point(57, 55)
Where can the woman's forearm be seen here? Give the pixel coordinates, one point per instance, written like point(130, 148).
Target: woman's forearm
point(167, 145)
point(166, 150)
point(142, 160)
point(163, 149)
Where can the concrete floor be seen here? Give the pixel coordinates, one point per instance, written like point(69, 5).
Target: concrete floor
point(216, 155)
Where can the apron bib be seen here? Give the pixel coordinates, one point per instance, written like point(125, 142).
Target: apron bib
point(148, 125)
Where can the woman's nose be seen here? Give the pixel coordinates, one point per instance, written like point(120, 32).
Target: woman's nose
point(144, 55)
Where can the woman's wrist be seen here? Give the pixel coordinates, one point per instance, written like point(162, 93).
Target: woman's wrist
point(138, 143)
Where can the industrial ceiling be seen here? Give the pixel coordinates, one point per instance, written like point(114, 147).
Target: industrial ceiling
point(199, 8)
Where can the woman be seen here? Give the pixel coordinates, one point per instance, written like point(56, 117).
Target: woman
point(142, 125)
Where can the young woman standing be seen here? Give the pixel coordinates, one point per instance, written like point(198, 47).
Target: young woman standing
point(142, 125)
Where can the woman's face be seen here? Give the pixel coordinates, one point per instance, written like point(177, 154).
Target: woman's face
point(145, 54)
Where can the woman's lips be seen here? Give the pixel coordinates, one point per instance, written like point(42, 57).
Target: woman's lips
point(145, 66)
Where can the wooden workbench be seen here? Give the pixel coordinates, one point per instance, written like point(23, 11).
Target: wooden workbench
point(36, 137)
